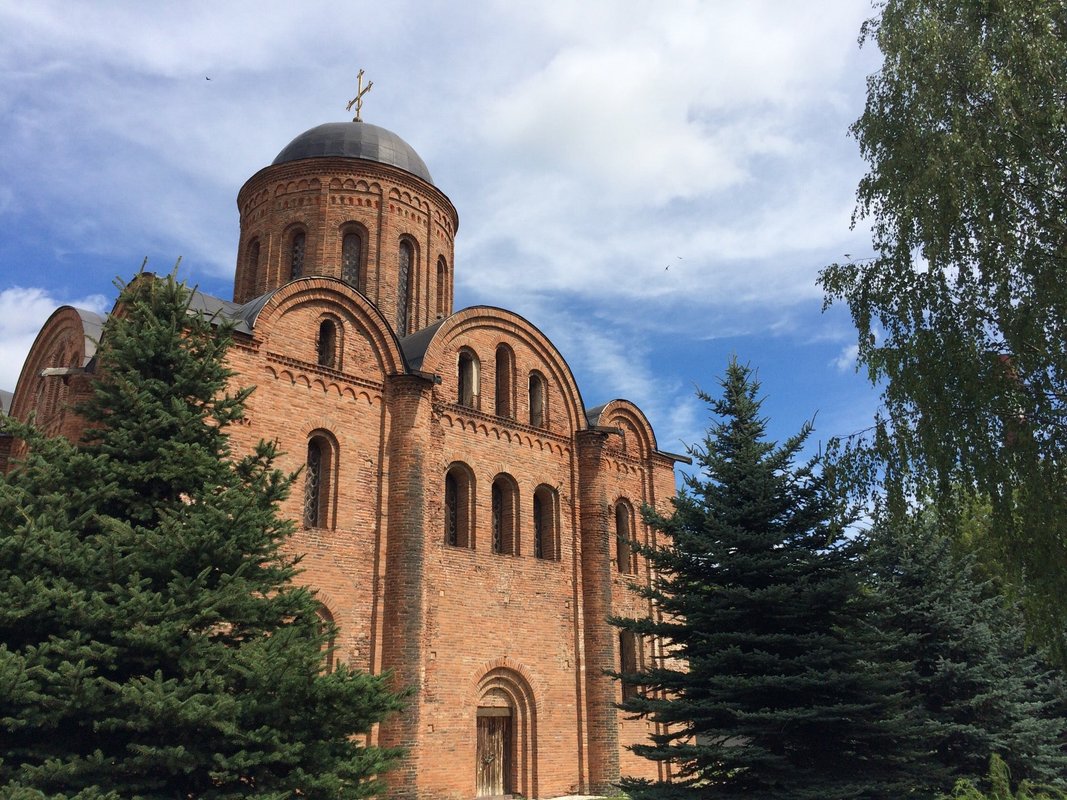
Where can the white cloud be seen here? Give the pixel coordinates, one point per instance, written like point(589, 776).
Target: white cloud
point(846, 359)
point(587, 146)
point(22, 313)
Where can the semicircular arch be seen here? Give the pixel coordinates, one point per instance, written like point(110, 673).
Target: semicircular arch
point(343, 301)
point(631, 420)
point(72, 331)
point(457, 331)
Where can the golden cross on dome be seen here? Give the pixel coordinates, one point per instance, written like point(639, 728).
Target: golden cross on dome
point(357, 101)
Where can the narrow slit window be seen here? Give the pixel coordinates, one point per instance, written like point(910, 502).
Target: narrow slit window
point(328, 630)
point(253, 257)
point(545, 523)
point(498, 519)
point(451, 511)
point(628, 663)
point(459, 493)
point(313, 484)
point(403, 280)
point(505, 515)
point(537, 400)
point(539, 526)
point(296, 254)
point(328, 344)
point(352, 260)
point(624, 554)
point(505, 381)
point(467, 379)
point(442, 287)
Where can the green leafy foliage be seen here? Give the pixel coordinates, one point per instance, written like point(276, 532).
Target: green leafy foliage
point(152, 640)
point(1000, 787)
point(773, 686)
point(962, 312)
point(966, 665)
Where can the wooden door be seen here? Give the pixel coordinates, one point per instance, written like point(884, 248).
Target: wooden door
point(494, 746)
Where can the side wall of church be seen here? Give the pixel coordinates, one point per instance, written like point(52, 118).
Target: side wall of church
point(502, 616)
point(478, 621)
point(343, 410)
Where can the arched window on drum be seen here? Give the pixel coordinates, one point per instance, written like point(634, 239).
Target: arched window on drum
point(352, 260)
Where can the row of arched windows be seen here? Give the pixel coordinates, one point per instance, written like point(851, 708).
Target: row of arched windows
point(507, 512)
point(507, 534)
point(353, 271)
point(468, 383)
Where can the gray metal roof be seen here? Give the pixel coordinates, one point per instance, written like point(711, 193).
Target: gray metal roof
point(5, 401)
point(243, 316)
point(355, 140)
point(592, 415)
point(93, 326)
point(414, 346)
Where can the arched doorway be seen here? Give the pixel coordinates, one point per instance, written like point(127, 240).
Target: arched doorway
point(506, 725)
point(495, 749)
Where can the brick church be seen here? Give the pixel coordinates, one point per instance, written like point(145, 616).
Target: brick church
point(460, 508)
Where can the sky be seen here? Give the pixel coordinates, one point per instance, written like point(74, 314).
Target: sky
point(655, 186)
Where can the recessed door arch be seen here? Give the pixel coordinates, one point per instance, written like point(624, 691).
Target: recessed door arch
point(506, 730)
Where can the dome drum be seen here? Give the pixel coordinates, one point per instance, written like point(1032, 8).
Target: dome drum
point(337, 205)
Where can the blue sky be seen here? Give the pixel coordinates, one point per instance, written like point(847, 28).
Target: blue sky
point(654, 185)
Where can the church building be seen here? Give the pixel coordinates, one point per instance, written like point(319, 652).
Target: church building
point(462, 514)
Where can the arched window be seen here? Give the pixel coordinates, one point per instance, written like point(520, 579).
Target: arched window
point(628, 662)
point(253, 256)
point(537, 400)
point(319, 480)
point(314, 481)
point(327, 344)
point(328, 629)
point(251, 272)
point(459, 494)
point(297, 245)
point(403, 281)
point(467, 370)
point(545, 523)
point(626, 561)
point(505, 381)
point(352, 259)
point(442, 287)
point(505, 513)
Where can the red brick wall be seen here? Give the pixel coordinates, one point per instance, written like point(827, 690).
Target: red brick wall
point(464, 627)
point(322, 196)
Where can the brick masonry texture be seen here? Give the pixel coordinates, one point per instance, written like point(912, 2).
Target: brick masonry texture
point(474, 632)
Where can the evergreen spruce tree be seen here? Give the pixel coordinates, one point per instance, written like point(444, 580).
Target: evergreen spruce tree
point(152, 640)
point(770, 687)
point(983, 691)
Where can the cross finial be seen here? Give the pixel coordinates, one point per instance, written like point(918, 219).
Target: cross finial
point(357, 101)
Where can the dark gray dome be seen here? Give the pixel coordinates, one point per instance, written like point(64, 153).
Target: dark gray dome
point(355, 140)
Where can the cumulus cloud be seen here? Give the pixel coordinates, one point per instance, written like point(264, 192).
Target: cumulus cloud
point(22, 313)
point(846, 359)
point(674, 167)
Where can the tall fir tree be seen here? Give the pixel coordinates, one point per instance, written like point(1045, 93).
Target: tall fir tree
point(981, 688)
point(769, 686)
point(153, 642)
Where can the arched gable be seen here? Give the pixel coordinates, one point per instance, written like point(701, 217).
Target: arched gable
point(288, 320)
point(638, 438)
point(482, 329)
point(67, 339)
